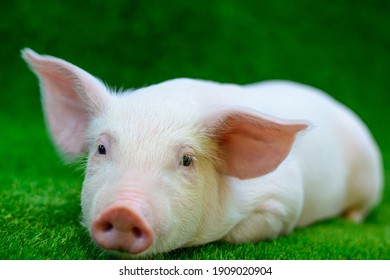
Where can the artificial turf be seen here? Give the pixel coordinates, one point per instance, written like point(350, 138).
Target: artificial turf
point(341, 47)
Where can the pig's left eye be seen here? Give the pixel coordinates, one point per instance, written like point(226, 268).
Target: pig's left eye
point(186, 160)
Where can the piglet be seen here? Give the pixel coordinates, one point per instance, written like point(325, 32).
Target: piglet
point(187, 162)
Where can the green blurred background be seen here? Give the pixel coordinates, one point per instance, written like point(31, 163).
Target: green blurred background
point(341, 47)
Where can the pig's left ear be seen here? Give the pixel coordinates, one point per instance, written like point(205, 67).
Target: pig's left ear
point(250, 144)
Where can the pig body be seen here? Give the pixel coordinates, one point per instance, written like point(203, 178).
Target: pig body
point(187, 162)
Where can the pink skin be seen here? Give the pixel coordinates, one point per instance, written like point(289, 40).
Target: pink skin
point(122, 228)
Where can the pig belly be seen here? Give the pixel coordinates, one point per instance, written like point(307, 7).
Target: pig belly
point(338, 159)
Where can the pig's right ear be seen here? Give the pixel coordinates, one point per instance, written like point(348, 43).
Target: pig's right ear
point(70, 98)
point(250, 144)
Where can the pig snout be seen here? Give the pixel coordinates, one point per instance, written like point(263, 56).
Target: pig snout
point(122, 228)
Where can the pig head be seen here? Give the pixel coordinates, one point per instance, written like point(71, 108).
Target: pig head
point(160, 161)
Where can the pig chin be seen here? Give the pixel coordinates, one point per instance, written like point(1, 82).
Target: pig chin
point(132, 229)
point(133, 232)
point(163, 243)
point(130, 233)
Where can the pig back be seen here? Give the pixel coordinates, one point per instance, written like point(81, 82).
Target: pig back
point(337, 157)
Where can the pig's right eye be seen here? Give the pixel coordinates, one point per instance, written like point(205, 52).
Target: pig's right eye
point(101, 149)
point(186, 160)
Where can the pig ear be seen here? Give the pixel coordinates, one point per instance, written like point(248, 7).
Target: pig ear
point(70, 98)
point(251, 144)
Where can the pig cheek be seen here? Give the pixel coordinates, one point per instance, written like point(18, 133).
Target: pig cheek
point(182, 215)
point(88, 199)
point(97, 177)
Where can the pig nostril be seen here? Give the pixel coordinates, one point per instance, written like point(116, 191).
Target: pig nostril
point(107, 226)
point(137, 232)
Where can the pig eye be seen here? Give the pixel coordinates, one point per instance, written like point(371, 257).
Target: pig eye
point(186, 160)
point(101, 149)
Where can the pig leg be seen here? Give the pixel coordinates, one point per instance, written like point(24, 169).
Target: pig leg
point(365, 178)
point(263, 224)
point(365, 189)
point(256, 227)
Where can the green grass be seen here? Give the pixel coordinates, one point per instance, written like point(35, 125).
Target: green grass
point(341, 47)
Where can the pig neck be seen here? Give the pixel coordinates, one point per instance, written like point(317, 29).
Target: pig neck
point(253, 209)
point(223, 210)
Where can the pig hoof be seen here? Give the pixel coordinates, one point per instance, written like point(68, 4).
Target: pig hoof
point(354, 215)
